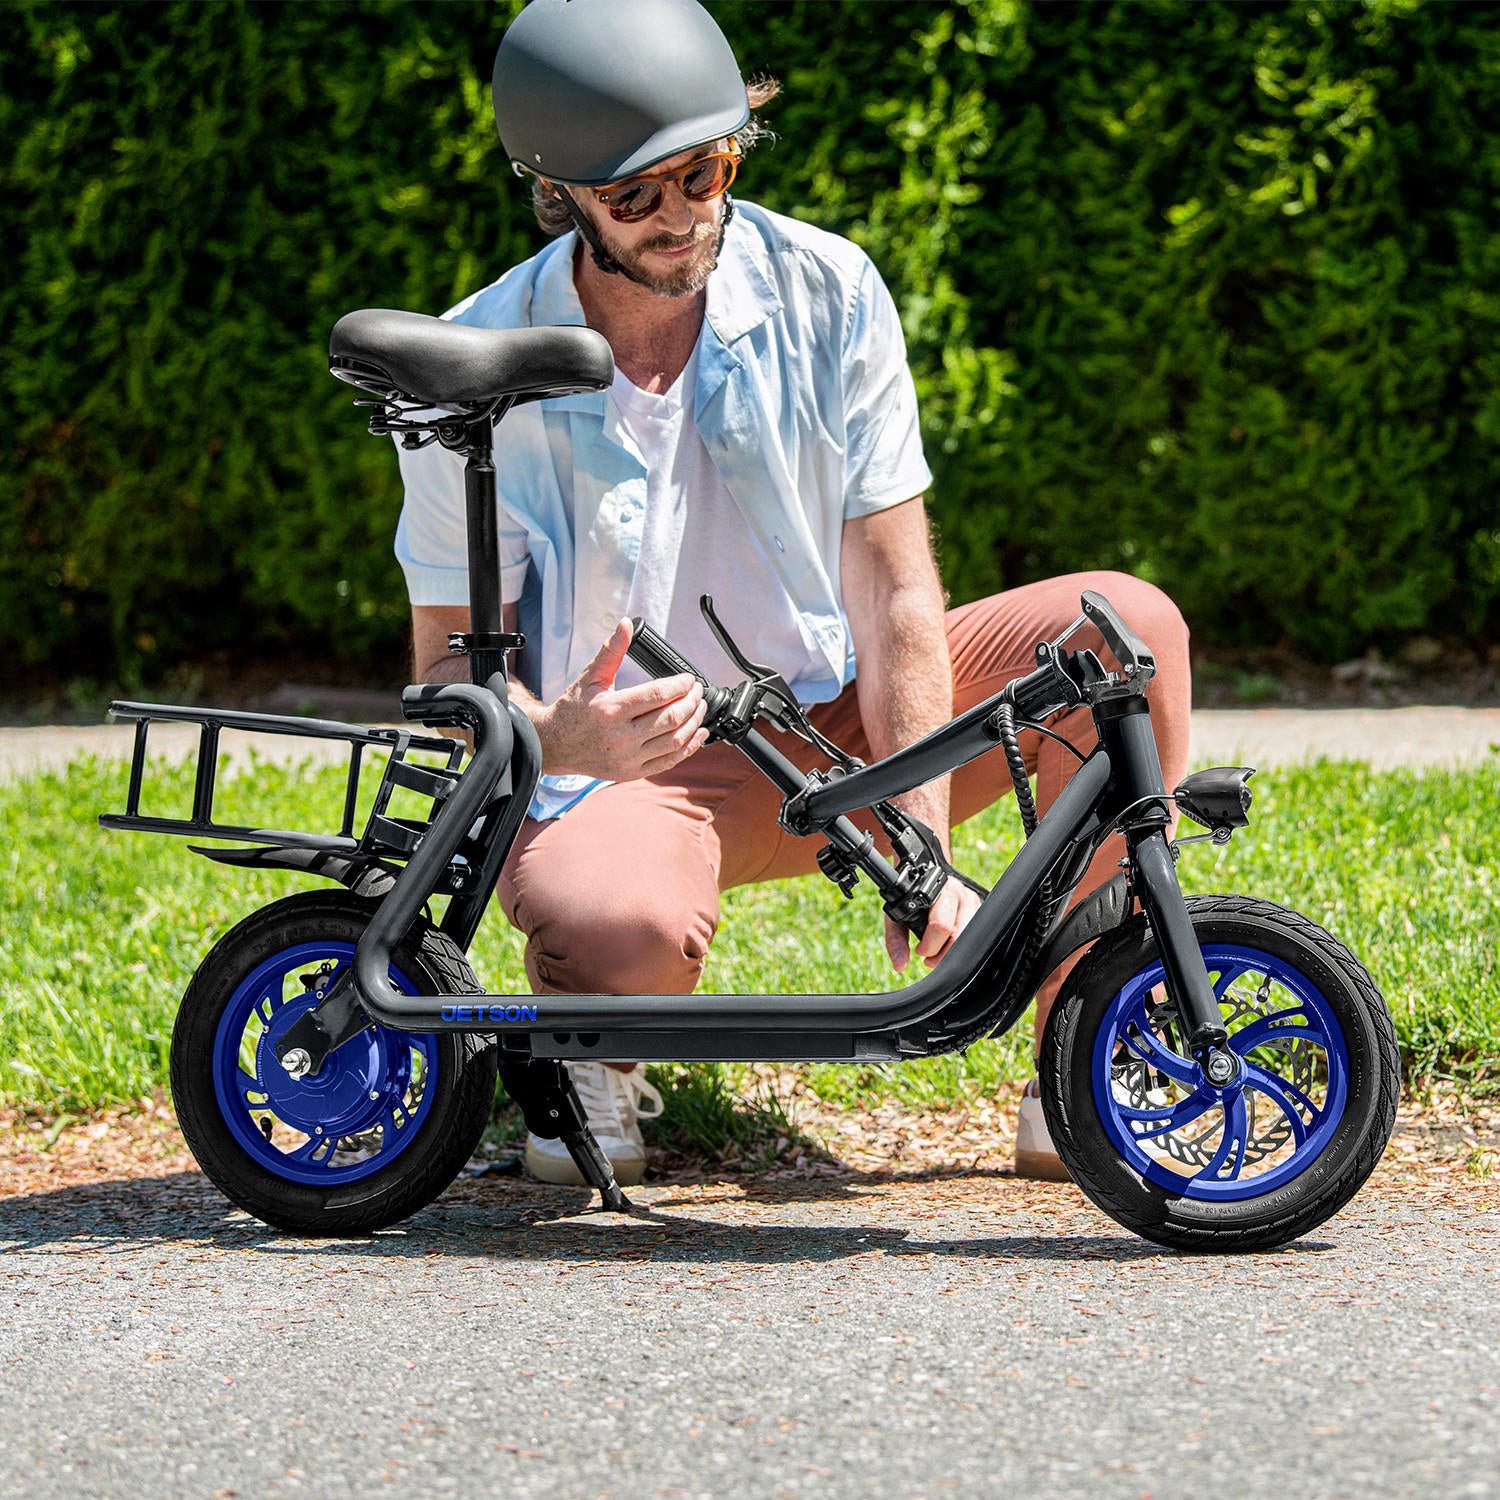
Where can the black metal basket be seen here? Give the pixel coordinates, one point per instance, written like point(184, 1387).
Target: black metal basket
point(383, 837)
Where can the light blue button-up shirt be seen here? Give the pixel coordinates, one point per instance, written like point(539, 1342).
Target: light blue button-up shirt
point(803, 400)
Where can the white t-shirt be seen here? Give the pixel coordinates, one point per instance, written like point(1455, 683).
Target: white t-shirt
point(696, 541)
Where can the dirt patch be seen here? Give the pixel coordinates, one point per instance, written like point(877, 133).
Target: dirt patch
point(1425, 672)
point(1444, 1145)
point(316, 686)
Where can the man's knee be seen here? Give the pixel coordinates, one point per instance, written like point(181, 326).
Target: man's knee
point(646, 948)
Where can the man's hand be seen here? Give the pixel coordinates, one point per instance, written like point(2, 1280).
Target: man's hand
point(949, 915)
point(595, 729)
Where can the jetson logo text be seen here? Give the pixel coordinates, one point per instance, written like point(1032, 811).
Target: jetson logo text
point(489, 1012)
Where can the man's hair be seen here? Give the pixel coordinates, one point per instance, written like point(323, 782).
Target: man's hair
point(552, 213)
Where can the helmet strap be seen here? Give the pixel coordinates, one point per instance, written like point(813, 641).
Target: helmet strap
point(602, 258)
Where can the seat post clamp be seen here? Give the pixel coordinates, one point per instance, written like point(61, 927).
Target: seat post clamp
point(465, 643)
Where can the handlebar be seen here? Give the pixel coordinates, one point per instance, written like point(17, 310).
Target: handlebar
point(1061, 680)
point(1048, 690)
point(821, 803)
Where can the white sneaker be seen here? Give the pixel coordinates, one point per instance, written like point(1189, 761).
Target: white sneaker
point(612, 1101)
point(1036, 1156)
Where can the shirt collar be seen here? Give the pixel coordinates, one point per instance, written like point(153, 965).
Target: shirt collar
point(554, 298)
point(741, 294)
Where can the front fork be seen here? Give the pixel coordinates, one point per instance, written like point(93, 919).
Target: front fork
point(1125, 729)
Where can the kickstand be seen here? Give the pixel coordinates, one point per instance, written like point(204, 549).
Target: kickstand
point(544, 1090)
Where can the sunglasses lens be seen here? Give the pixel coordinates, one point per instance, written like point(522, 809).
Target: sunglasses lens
point(706, 179)
point(635, 200)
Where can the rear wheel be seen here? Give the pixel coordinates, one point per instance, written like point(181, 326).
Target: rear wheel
point(384, 1125)
point(1267, 1157)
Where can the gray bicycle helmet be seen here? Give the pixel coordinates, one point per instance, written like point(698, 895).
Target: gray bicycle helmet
point(588, 92)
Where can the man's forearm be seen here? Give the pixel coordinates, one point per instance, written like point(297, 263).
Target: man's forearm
point(906, 690)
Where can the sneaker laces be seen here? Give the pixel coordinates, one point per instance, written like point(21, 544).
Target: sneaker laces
point(612, 1099)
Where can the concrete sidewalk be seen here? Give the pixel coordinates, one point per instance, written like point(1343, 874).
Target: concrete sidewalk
point(1263, 737)
point(1382, 737)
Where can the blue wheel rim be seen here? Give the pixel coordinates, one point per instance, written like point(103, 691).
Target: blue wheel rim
point(351, 1119)
point(1251, 1137)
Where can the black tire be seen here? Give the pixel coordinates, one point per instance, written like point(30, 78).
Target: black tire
point(408, 1109)
point(1316, 1041)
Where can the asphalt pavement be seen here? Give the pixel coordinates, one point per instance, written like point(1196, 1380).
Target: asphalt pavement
point(966, 1336)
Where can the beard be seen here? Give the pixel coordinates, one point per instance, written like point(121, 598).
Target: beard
point(681, 280)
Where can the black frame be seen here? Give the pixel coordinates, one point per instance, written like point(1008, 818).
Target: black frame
point(1118, 784)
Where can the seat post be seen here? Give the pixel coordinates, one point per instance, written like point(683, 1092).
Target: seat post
point(486, 641)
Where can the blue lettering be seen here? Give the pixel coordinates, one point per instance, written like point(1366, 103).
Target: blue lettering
point(489, 1013)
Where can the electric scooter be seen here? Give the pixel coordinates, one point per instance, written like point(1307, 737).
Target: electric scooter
point(1218, 1073)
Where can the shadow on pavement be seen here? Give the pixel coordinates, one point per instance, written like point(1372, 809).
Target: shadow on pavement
point(525, 1221)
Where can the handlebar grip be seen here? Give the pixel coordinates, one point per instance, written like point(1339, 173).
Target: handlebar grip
point(657, 658)
point(654, 656)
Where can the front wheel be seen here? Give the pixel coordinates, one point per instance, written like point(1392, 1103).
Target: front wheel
point(1265, 1158)
point(379, 1130)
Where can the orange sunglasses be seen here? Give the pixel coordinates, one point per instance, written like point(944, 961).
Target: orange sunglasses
point(700, 181)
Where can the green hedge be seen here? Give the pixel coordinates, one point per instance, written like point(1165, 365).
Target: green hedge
point(1203, 290)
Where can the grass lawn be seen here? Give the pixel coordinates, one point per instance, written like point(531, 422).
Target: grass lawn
point(100, 932)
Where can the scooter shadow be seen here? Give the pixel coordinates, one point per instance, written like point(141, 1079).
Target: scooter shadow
point(524, 1221)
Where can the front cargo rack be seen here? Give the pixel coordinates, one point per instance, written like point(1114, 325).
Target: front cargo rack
point(383, 837)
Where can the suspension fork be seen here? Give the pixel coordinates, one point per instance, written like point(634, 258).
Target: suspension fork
point(1124, 726)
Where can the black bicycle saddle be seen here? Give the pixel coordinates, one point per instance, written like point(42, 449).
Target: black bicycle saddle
point(410, 357)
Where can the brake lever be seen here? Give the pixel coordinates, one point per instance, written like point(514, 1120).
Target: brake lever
point(789, 713)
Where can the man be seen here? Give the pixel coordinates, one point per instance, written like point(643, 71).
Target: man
point(760, 443)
